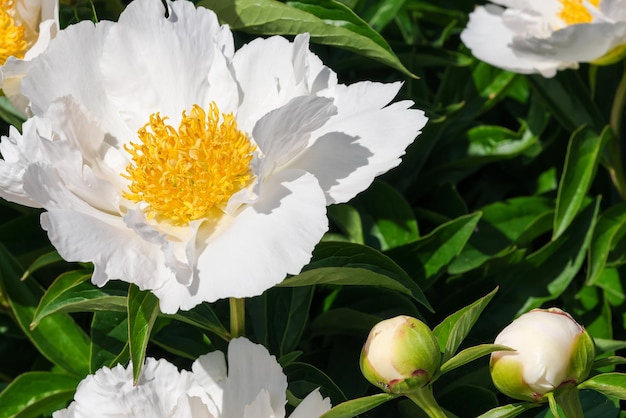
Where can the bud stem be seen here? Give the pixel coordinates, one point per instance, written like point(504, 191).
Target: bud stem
point(426, 401)
point(568, 403)
point(237, 317)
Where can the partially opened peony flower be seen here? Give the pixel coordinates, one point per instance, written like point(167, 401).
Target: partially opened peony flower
point(254, 386)
point(26, 28)
point(171, 161)
point(548, 35)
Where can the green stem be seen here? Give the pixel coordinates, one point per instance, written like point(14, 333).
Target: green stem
point(237, 317)
point(614, 156)
point(426, 401)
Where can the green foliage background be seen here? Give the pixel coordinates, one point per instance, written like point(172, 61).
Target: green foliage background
point(509, 186)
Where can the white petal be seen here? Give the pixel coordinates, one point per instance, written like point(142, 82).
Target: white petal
point(16, 152)
point(160, 392)
point(116, 251)
point(187, 68)
point(490, 40)
point(313, 406)
point(289, 70)
point(265, 242)
point(251, 370)
point(69, 66)
point(209, 371)
point(285, 132)
point(365, 139)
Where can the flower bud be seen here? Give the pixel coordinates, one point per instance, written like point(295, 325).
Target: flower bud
point(552, 350)
point(400, 355)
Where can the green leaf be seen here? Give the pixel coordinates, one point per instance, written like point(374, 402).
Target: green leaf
point(204, 317)
point(303, 373)
point(143, 308)
point(343, 321)
point(470, 354)
point(509, 411)
point(354, 407)
point(381, 13)
point(610, 227)
point(568, 99)
point(513, 222)
point(57, 337)
point(544, 275)
point(328, 22)
point(609, 384)
point(42, 261)
point(387, 218)
point(427, 257)
point(352, 264)
point(109, 339)
point(35, 393)
point(9, 114)
point(348, 220)
point(451, 332)
point(72, 292)
point(183, 340)
point(609, 361)
point(581, 162)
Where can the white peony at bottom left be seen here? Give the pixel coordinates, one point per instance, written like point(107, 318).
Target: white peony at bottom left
point(253, 386)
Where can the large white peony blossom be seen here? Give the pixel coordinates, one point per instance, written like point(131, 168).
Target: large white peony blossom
point(26, 28)
point(253, 387)
point(173, 162)
point(543, 36)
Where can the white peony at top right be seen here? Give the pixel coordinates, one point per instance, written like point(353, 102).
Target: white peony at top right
point(544, 36)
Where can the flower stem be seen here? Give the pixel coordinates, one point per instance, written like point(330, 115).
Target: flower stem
point(614, 156)
point(426, 401)
point(237, 317)
point(568, 402)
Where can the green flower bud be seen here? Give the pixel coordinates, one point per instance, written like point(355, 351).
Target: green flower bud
point(401, 355)
point(552, 351)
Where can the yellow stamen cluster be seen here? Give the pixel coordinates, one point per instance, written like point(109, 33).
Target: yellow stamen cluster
point(574, 11)
point(12, 41)
point(186, 174)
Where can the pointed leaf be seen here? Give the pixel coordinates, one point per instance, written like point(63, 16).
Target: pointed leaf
point(36, 393)
point(354, 407)
point(610, 227)
point(328, 22)
point(509, 411)
point(57, 337)
point(609, 384)
point(109, 339)
point(581, 162)
point(42, 261)
point(427, 257)
point(143, 308)
point(470, 354)
point(72, 292)
point(451, 332)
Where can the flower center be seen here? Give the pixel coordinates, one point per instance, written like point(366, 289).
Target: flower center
point(12, 42)
point(574, 11)
point(186, 174)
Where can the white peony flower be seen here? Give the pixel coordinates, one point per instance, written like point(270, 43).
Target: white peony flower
point(26, 28)
point(544, 36)
point(552, 349)
point(254, 387)
point(173, 162)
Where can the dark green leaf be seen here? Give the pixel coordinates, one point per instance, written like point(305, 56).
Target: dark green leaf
point(109, 339)
point(610, 227)
point(452, 331)
point(581, 162)
point(42, 261)
point(354, 407)
point(72, 292)
point(35, 393)
point(57, 337)
point(509, 411)
point(427, 257)
point(143, 308)
point(327, 21)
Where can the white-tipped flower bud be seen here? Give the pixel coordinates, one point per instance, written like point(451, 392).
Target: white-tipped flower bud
point(401, 355)
point(552, 350)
